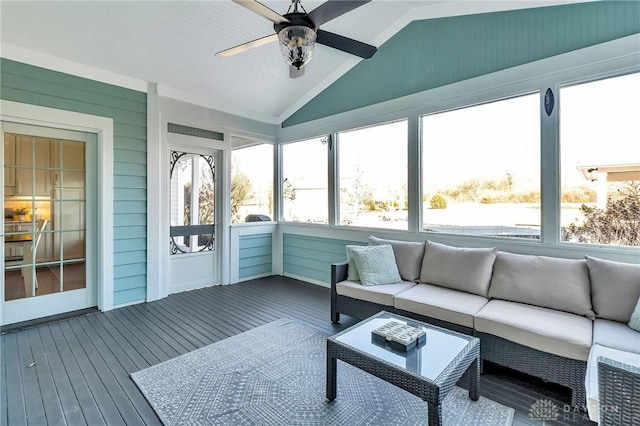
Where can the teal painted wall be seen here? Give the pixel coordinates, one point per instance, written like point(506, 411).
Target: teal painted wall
point(311, 257)
point(255, 255)
point(436, 52)
point(128, 108)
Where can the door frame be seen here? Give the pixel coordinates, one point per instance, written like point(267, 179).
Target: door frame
point(103, 127)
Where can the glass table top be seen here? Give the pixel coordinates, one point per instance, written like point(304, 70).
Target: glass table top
point(429, 360)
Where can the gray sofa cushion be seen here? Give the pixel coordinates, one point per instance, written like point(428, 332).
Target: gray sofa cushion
point(441, 303)
point(408, 256)
point(380, 294)
point(616, 335)
point(547, 330)
point(615, 288)
point(465, 269)
point(548, 282)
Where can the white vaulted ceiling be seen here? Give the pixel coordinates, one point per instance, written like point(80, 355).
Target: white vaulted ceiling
point(173, 43)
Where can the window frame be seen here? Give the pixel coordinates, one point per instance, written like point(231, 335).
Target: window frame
point(477, 104)
point(274, 188)
point(567, 69)
point(336, 175)
point(585, 79)
point(279, 180)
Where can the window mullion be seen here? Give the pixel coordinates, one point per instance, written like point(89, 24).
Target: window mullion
point(414, 174)
point(195, 192)
point(550, 169)
point(333, 179)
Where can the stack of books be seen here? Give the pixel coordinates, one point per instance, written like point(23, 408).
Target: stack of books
point(400, 336)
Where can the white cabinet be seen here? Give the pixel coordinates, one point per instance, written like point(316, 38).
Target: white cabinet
point(33, 160)
point(69, 222)
point(9, 164)
point(68, 162)
point(68, 216)
point(27, 165)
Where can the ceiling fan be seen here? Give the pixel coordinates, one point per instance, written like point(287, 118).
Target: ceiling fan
point(298, 31)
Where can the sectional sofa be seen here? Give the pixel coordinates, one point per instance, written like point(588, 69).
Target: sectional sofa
point(553, 318)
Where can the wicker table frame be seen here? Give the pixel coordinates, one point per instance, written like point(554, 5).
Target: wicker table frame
point(433, 392)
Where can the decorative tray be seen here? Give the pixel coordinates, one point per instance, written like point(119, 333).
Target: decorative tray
point(399, 336)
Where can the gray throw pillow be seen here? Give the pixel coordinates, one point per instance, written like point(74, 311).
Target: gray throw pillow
point(615, 288)
point(352, 270)
point(465, 269)
point(548, 282)
point(376, 265)
point(408, 255)
point(634, 322)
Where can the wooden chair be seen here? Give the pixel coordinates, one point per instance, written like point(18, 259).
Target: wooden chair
point(29, 258)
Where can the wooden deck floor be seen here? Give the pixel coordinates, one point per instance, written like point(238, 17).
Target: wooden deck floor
point(76, 371)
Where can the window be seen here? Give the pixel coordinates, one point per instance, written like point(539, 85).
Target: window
point(304, 181)
point(481, 169)
point(373, 176)
point(252, 184)
point(600, 161)
point(192, 203)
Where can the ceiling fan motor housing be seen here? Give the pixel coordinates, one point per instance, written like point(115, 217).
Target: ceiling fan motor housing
point(297, 38)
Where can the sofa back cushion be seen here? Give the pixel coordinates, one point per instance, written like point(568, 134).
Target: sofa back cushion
point(465, 269)
point(615, 288)
point(561, 284)
point(408, 256)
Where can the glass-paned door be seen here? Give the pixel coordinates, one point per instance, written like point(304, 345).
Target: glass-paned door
point(46, 182)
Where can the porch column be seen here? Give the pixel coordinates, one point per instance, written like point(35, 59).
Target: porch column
point(601, 200)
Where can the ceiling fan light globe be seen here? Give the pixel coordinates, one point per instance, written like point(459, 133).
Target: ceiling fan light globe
point(296, 44)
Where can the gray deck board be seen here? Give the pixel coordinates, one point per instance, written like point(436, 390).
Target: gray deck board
point(4, 415)
point(85, 394)
point(16, 412)
point(143, 342)
point(68, 400)
point(82, 369)
point(97, 384)
point(119, 364)
point(180, 342)
point(33, 400)
point(50, 396)
point(153, 332)
point(117, 343)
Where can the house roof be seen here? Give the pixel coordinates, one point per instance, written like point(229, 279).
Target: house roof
point(173, 43)
point(615, 172)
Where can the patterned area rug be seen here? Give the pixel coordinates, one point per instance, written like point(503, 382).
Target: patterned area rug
point(275, 375)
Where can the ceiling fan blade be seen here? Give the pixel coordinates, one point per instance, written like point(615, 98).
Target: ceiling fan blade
point(246, 46)
point(332, 9)
point(345, 44)
point(295, 72)
point(262, 10)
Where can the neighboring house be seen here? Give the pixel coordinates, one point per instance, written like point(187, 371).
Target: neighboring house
point(129, 130)
point(603, 174)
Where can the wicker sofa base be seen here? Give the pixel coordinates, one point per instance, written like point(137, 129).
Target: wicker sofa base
point(356, 308)
point(549, 367)
point(552, 368)
point(619, 387)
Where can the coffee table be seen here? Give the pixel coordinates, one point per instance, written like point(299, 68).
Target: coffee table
point(429, 371)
